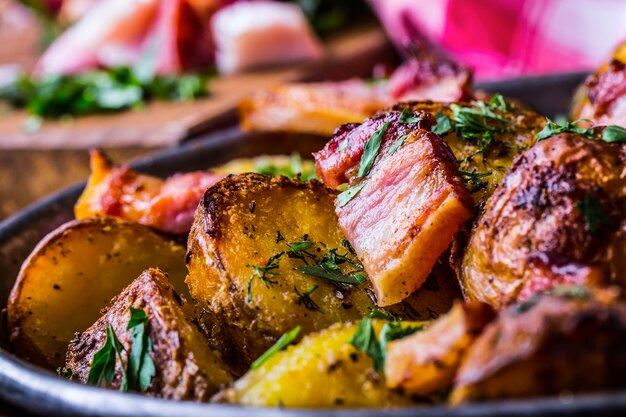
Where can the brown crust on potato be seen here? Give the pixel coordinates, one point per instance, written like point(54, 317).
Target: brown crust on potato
point(534, 233)
point(186, 369)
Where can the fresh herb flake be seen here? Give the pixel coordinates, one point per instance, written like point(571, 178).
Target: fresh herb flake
point(343, 145)
point(443, 125)
point(284, 341)
point(552, 129)
point(381, 314)
point(103, 365)
point(364, 339)
point(406, 117)
point(498, 102)
point(331, 272)
point(305, 299)
point(304, 245)
point(397, 145)
point(141, 368)
point(614, 133)
point(371, 151)
point(347, 195)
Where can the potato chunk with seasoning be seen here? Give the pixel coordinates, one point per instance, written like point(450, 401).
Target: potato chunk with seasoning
point(73, 273)
point(185, 368)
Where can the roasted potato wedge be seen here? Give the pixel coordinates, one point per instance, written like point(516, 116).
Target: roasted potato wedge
point(559, 216)
point(243, 222)
point(185, 368)
point(426, 362)
point(73, 273)
point(567, 341)
point(323, 371)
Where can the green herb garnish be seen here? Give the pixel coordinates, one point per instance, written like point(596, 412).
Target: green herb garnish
point(474, 180)
point(364, 339)
point(406, 117)
point(397, 145)
point(443, 125)
point(264, 274)
point(141, 368)
point(613, 134)
point(305, 299)
point(296, 167)
point(106, 90)
point(332, 272)
point(347, 195)
point(65, 373)
point(498, 102)
point(381, 314)
point(103, 365)
point(300, 246)
point(370, 151)
point(284, 341)
point(552, 129)
point(343, 145)
point(593, 213)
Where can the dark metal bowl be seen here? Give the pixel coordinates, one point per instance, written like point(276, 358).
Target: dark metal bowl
point(38, 391)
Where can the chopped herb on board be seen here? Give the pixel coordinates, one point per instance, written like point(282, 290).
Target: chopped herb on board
point(98, 91)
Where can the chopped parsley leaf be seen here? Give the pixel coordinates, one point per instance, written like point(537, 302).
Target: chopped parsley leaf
point(552, 129)
point(370, 151)
point(397, 145)
point(305, 299)
point(613, 134)
point(103, 365)
point(406, 117)
point(364, 339)
point(284, 341)
point(498, 102)
point(346, 196)
point(381, 314)
point(443, 125)
point(141, 368)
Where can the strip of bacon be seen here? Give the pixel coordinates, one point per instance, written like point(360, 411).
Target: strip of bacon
point(168, 205)
point(409, 206)
point(319, 108)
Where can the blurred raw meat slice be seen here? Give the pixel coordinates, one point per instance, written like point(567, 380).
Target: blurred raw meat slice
point(254, 34)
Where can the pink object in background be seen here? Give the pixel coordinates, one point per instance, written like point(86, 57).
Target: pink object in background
point(508, 38)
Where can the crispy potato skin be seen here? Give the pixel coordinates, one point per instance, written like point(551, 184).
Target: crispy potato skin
point(426, 362)
point(186, 369)
point(236, 227)
point(533, 233)
point(559, 344)
point(525, 124)
point(73, 273)
point(323, 371)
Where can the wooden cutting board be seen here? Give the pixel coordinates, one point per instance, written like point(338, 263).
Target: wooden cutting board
point(353, 53)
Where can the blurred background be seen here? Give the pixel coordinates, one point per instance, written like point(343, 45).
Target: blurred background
point(134, 76)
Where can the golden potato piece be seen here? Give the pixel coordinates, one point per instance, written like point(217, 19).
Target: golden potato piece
point(73, 273)
point(323, 371)
point(240, 225)
point(185, 368)
point(243, 222)
point(567, 341)
point(426, 362)
point(557, 217)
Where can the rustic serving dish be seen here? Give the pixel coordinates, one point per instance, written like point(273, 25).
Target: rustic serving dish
point(25, 388)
